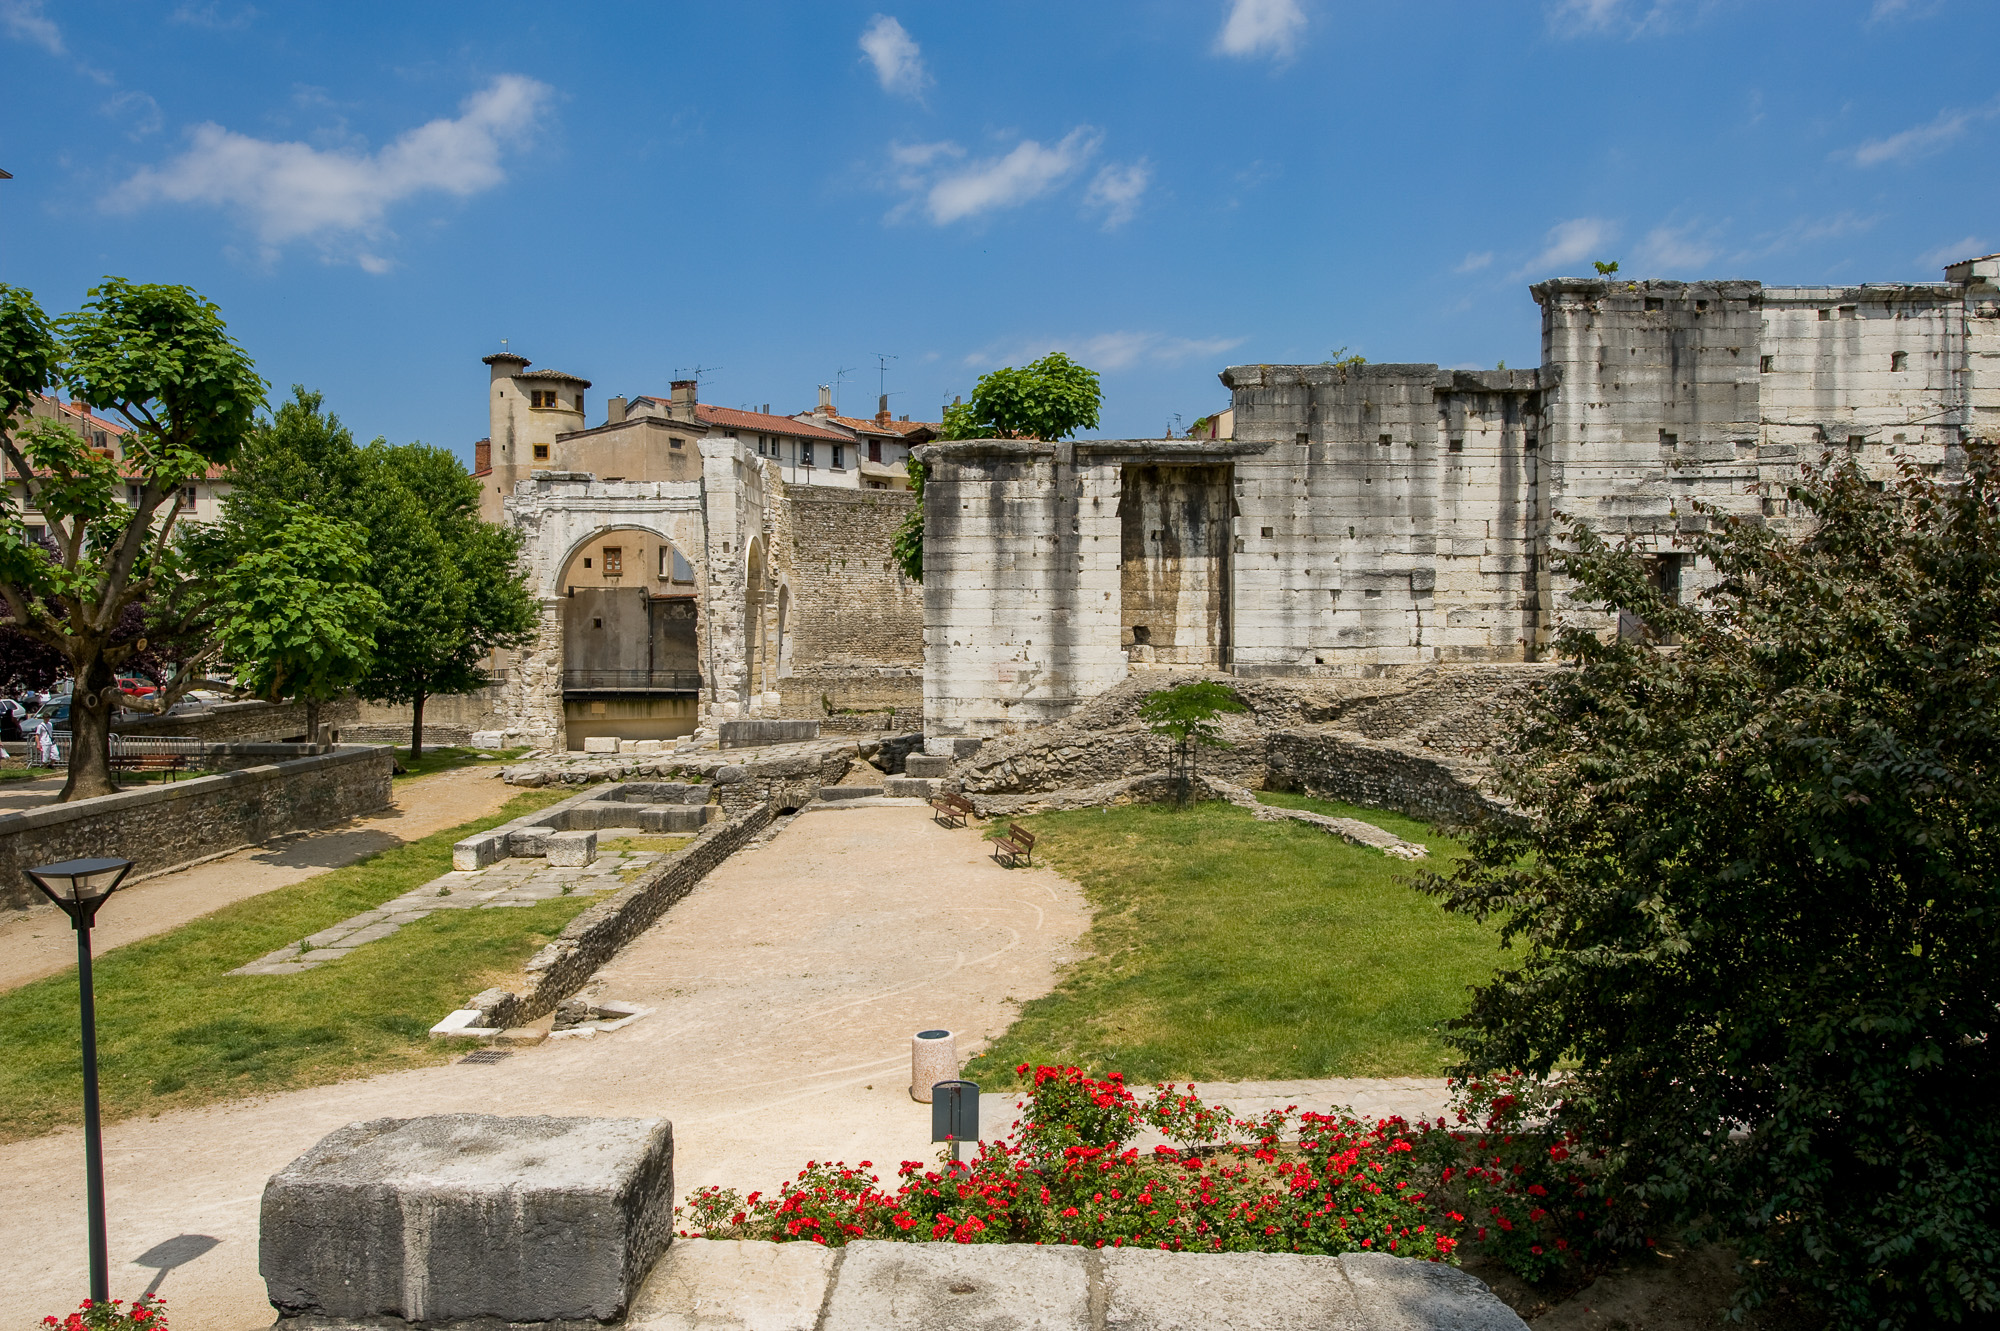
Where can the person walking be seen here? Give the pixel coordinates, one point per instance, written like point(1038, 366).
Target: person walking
point(46, 753)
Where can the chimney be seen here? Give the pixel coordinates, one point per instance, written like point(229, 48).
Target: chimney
point(482, 457)
point(614, 411)
point(882, 410)
point(905, 416)
point(684, 399)
point(825, 407)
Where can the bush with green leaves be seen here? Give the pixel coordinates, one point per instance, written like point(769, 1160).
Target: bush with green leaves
point(1753, 887)
point(1189, 715)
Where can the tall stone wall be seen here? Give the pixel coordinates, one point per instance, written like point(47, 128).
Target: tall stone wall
point(853, 639)
point(248, 722)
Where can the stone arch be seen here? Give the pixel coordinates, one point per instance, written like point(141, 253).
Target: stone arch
point(554, 580)
point(756, 624)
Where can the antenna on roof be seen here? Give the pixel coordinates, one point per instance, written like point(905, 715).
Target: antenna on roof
point(838, 375)
point(503, 346)
point(697, 371)
point(882, 360)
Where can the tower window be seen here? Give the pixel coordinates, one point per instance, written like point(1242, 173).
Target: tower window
point(675, 441)
point(541, 452)
point(614, 561)
point(541, 397)
point(1456, 446)
point(579, 402)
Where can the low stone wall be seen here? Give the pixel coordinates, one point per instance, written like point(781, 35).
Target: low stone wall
point(1339, 765)
point(594, 937)
point(239, 722)
point(163, 827)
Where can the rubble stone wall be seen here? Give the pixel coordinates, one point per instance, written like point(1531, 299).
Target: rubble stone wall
point(165, 826)
point(242, 722)
point(853, 639)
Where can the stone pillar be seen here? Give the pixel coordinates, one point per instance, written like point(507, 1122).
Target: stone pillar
point(531, 699)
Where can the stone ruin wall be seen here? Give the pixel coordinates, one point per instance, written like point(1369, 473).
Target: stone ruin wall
point(853, 657)
point(1387, 518)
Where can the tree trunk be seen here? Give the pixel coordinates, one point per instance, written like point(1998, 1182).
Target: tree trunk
point(417, 727)
point(312, 720)
point(90, 736)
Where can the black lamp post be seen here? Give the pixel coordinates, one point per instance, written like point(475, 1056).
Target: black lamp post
point(80, 887)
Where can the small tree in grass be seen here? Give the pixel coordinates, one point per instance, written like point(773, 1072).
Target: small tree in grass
point(1187, 714)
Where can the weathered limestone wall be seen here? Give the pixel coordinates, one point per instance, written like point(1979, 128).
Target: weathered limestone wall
point(162, 827)
point(852, 637)
point(449, 719)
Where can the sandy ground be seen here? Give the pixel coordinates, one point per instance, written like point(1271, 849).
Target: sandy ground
point(787, 986)
point(39, 942)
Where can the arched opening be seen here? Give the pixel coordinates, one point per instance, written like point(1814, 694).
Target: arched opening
point(631, 615)
point(756, 656)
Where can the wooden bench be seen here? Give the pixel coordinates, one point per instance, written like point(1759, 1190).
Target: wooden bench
point(952, 810)
point(1015, 849)
point(143, 763)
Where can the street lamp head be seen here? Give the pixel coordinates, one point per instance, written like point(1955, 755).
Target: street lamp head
point(80, 886)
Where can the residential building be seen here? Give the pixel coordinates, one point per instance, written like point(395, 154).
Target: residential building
point(201, 500)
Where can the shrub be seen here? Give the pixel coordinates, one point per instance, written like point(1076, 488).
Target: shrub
point(1753, 888)
point(1284, 1182)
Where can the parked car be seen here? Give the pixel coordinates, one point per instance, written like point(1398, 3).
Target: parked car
point(55, 711)
point(137, 685)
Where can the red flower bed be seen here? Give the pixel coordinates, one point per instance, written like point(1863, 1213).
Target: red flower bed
point(1286, 1182)
point(144, 1315)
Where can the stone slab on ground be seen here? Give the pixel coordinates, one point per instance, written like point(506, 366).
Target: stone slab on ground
point(461, 1216)
point(877, 1286)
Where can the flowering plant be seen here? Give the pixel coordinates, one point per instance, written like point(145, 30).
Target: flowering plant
point(146, 1314)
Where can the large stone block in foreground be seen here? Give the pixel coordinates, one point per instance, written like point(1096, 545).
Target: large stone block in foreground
point(463, 1216)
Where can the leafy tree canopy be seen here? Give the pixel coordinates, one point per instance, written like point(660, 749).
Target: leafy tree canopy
point(1189, 715)
point(1051, 398)
point(1754, 890)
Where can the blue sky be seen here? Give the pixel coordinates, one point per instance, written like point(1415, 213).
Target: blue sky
point(377, 194)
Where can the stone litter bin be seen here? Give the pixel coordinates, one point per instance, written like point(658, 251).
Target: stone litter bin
point(933, 1058)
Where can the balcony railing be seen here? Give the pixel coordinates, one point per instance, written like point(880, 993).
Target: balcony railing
point(631, 681)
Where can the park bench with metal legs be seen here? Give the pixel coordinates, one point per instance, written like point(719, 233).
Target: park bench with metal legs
point(952, 810)
point(1016, 849)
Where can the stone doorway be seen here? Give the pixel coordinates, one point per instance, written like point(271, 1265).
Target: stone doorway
point(1175, 531)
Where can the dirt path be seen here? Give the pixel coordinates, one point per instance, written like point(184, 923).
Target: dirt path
point(787, 987)
point(39, 942)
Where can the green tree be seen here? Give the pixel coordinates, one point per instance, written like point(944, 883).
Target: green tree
point(160, 359)
point(452, 589)
point(1051, 398)
point(1606, 269)
point(1754, 890)
point(1188, 714)
point(294, 606)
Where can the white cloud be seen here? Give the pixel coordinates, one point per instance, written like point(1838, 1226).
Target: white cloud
point(1569, 245)
point(1117, 190)
point(137, 107)
point(1472, 263)
point(1972, 247)
point(1622, 18)
point(373, 263)
point(986, 185)
point(25, 21)
point(1676, 249)
point(1261, 27)
point(899, 63)
point(291, 191)
point(1888, 10)
point(1922, 140)
point(1107, 351)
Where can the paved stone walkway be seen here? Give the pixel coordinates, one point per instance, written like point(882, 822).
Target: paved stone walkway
point(512, 882)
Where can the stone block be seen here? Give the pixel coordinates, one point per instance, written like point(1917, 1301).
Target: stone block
point(1151, 1290)
point(672, 819)
point(600, 744)
point(696, 794)
point(649, 746)
point(487, 739)
point(750, 734)
point(529, 842)
point(724, 1285)
point(463, 1216)
point(595, 814)
point(834, 794)
point(941, 1285)
point(477, 852)
point(927, 764)
point(1397, 1294)
point(911, 787)
point(572, 850)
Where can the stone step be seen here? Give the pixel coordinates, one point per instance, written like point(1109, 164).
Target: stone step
point(848, 792)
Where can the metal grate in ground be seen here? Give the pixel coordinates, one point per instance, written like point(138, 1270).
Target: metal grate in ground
point(486, 1056)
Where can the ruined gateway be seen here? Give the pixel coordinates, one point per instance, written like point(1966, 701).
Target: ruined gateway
point(1372, 519)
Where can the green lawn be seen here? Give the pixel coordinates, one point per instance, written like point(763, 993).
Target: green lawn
point(446, 757)
point(1228, 949)
point(175, 1030)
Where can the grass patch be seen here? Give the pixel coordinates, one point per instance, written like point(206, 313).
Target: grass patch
point(175, 1030)
point(449, 756)
point(24, 773)
point(1227, 949)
